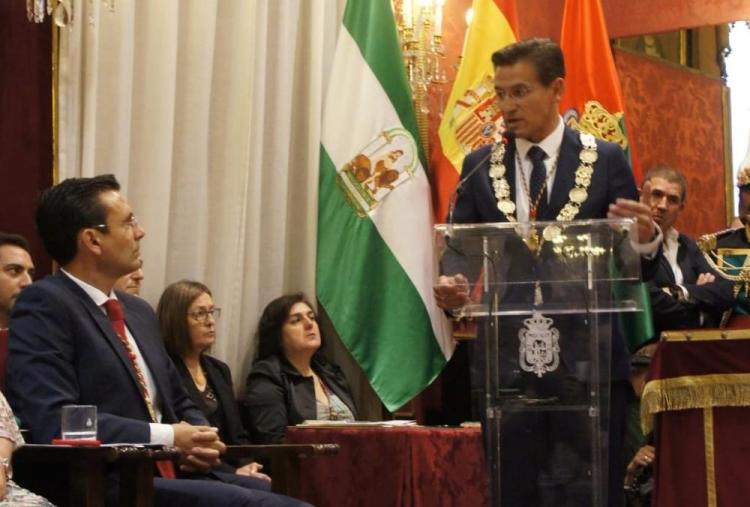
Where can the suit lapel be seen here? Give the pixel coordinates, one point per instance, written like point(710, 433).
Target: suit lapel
point(140, 332)
point(189, 384)
point(690, 269)
point(667, 268)
point(102, 322)
point(509, 160)
point(105, 327)
point(223, 393)
point(565, 174)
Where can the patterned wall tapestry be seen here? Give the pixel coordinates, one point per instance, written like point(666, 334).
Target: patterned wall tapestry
point(677, 120)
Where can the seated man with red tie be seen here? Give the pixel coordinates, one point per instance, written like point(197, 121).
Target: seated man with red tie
point(75, 341)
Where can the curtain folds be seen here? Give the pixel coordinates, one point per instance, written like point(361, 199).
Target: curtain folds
point(208, 112)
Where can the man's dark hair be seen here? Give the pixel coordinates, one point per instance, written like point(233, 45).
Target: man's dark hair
point(7, 238)
point(544, 54)
point(67, 208)
point(271, 323)
point(672, 176)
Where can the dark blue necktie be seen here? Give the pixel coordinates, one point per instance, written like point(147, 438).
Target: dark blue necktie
point(536, 183)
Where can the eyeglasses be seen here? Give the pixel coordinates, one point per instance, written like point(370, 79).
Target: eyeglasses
point(516, 93)
point(131, 222)
point(202, 314)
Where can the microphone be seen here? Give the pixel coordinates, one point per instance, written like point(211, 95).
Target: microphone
point(462, 182)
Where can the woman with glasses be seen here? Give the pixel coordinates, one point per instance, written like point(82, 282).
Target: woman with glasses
point(291, 381)
point(187, 320)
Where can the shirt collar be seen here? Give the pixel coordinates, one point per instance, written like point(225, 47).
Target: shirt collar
point(672, 239)
point(550, 144)
point(95, 294)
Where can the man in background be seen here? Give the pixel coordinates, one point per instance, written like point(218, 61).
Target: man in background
point(686, 293)
point(16, 272)
point(131, 283)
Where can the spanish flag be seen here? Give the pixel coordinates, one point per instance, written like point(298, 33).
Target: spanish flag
point(593, 100)
point(471, 119)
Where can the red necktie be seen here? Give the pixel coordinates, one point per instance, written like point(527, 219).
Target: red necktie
point(117, 318)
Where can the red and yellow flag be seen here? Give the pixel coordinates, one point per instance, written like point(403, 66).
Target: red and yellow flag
point(593, 100)
point(471, 119)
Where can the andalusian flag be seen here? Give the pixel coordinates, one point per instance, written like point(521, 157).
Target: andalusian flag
point(593, 100)
point(471, 119)
point(375, 267)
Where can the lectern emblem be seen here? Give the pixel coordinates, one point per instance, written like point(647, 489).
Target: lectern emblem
point(539, 351)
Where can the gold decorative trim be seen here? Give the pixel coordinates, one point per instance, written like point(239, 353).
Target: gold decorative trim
point(708, 440)
point(698, 335)
point(683, 35)
point(693, 392)
point(55, 81)
point(729, 191)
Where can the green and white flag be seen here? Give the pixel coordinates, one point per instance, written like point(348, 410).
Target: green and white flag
point(375, 267)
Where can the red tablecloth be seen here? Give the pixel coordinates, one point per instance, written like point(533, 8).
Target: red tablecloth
point(394, 467)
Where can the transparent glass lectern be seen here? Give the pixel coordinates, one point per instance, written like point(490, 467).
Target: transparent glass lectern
point(545, 298)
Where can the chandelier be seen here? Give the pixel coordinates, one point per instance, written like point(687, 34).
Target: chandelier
point(420, 29)
point(61, 11)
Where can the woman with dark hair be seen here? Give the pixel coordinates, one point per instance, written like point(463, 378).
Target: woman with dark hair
point(291, 381)
point(187, 321)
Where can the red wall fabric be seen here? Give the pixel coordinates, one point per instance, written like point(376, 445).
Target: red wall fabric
point(25, 122)
point(676, 120)
point(541, 18)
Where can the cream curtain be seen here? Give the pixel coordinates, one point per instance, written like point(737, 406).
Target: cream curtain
point(208, 112)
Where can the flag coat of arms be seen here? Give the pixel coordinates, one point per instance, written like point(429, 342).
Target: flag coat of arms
point(375, 265)
point(592, 101)
point(471, 118)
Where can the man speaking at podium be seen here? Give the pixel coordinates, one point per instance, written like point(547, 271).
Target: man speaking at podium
point(544, 171)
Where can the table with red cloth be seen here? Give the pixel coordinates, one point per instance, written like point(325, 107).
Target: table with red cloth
point(697, 400)
point(394, 466)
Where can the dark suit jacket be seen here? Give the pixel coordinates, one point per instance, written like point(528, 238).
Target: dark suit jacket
point(218, 375)
point(712, 299)
point(63, 350)
point(612, 179)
